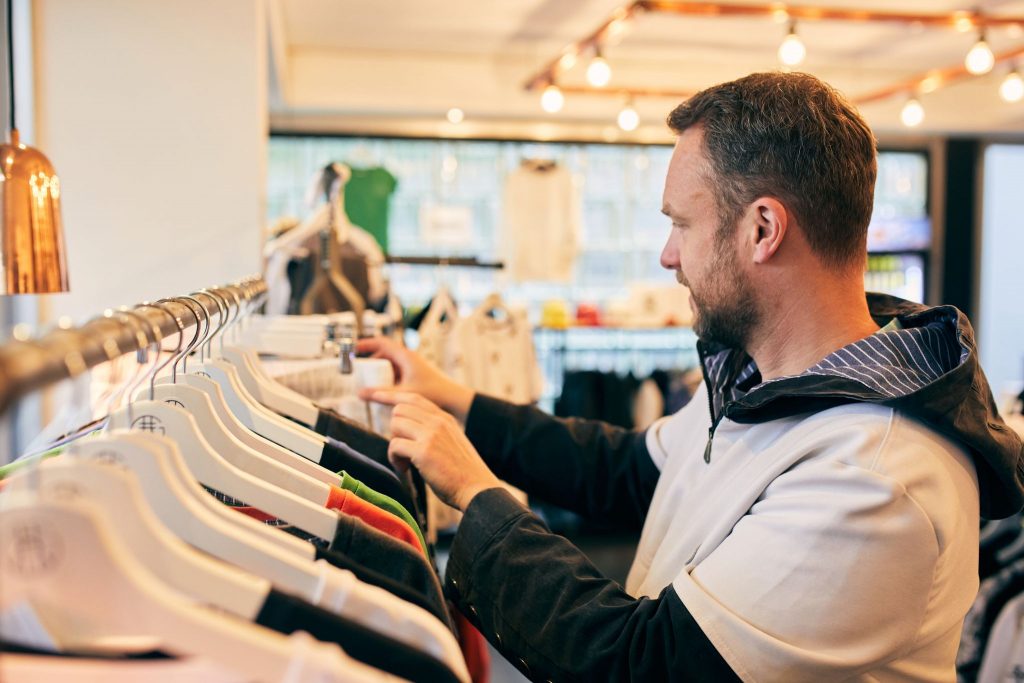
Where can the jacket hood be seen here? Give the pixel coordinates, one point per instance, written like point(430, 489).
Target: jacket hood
point(928, 368)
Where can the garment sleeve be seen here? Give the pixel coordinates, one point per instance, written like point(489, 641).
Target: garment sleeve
point(602, 472)
point(549, 611)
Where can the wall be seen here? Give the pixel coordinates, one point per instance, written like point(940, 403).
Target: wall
point(154, 114)
point(1001, 320)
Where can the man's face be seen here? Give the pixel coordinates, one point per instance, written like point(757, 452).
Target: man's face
point(703, 256)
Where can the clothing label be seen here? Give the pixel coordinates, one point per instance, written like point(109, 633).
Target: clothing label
point(21, 625)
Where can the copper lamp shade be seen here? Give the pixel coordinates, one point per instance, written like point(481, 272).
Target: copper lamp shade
point(34, 260)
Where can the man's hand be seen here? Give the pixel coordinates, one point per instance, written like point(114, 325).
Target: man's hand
point(414, 374)
point(432, 439)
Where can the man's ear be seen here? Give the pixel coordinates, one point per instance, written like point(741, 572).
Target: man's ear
point(768, 220)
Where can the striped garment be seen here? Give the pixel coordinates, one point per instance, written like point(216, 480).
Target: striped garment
point(891, 363)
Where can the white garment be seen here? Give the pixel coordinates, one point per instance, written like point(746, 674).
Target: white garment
point(1004, 652)
point(541, 224)
point(491, 356)
point(841, 545)
point(496, 356)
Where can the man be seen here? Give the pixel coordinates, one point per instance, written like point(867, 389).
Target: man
point(813, 513)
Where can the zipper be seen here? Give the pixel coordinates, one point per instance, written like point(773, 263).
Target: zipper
point(711, 406)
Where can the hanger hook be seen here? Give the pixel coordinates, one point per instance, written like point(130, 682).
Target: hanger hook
point(225, 308)
point(221, 319)
point(142, 357)
point(157, 367)
point(196, 341)
point(181, 352)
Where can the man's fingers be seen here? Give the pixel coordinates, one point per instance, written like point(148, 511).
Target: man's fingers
point(402, 452)
point(407, 428)
point(372, 345)
point(394, 397)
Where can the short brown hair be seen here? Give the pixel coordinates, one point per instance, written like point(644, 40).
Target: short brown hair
point(793, 137)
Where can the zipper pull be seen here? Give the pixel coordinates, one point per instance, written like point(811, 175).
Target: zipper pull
point(707, 449)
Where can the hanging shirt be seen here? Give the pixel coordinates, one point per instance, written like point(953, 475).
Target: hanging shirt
point(396, 559)
point(368, 201)
point(495, 356)
point(541, 222)
point(375, 578)
point(350, 483)
point(286, 614)
point(389, 523)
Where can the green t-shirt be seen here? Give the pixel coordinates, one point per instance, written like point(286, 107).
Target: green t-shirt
point(386, 503)
point(367, 200)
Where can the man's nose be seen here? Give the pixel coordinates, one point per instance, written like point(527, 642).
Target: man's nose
point(669, 257)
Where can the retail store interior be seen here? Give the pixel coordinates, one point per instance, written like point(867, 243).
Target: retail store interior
point(281, 177)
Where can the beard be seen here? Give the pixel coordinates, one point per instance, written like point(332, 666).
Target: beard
point(724, 308)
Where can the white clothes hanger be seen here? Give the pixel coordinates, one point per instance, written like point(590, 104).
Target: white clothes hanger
point(241, 432)
point(172, 461)
point(115, 493)
point(268, 392)
point(282, 467)
point(198, 519)
point(169, 486)
point(200, 406)
point(264, 422)
point(271, 470)
point(271, 394)
point(377, 609)
point(254, 416)
point(210, 468)
point(94, 589)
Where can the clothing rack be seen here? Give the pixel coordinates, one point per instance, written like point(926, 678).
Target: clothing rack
point(27, 366)
point(461, 261)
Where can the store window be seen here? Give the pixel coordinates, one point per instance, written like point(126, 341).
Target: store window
point(620, 188)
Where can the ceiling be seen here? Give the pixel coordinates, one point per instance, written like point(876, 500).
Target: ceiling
point(396, 66)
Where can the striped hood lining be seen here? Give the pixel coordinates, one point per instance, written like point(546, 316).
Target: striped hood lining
point(928, 369)
point(887, 365)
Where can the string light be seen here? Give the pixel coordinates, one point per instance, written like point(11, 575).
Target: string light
point(567, 61)
point(912, 114)
point(455, 115)
point(552, 100)
point(963, 21)
point(979, 59)
point(792, 50)
point(1012, 87)
point(629, 119)
point(598, 71)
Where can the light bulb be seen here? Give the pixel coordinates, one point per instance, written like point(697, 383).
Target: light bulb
point(962, 21)
point(598, 72)
point(455, 115)
point(980, 59)
point(1012, 87)
point(551, 100)
point(567, 61)
point(792, 50)
point(912, 114)
point(628, 118)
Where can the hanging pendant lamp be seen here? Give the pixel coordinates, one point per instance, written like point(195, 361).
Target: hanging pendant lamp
point(33, 254)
